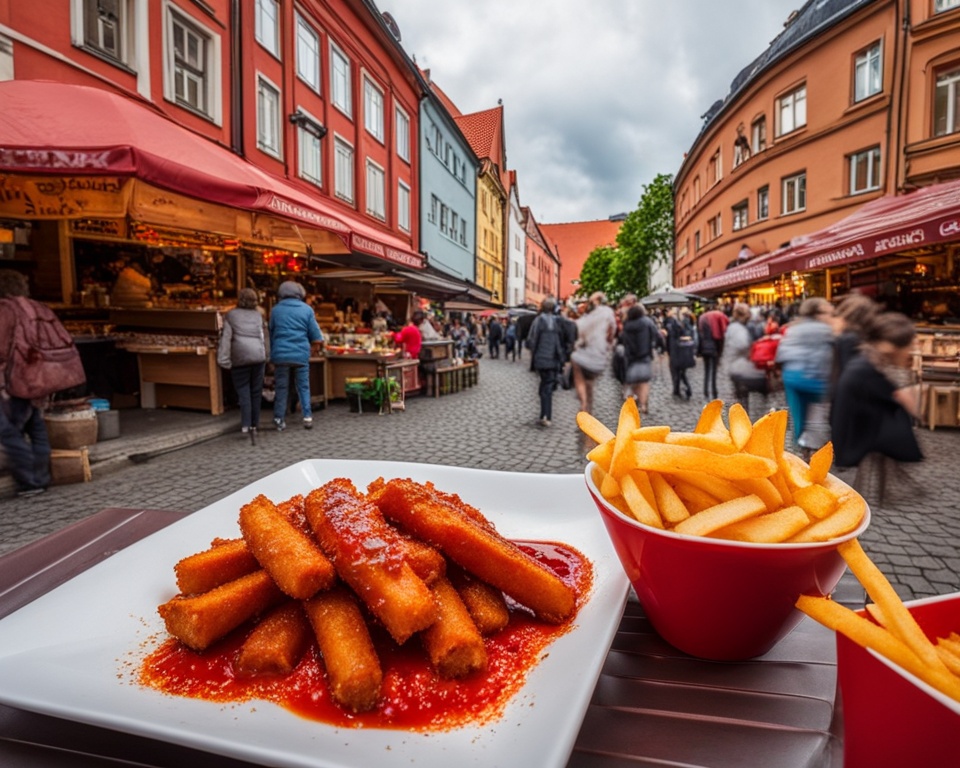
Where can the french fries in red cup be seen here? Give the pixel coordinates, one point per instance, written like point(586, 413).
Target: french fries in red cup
point(719, 530)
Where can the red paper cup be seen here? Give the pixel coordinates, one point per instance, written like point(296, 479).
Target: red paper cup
point(719, 599)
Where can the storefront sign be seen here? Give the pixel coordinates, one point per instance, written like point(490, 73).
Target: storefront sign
point(406, 258)
point(884, 243)
point(162, 208)
point(308, 215)
point(63, 197)
point(745, 274)
point(99, 227)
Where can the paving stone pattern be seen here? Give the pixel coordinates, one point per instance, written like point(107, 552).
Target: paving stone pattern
point(914, 537)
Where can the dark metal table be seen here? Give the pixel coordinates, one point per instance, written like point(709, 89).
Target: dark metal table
point(652, 704)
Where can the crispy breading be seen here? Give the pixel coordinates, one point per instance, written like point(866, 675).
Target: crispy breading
point(485, 603)
point(226, 560)
point(453, 641)
point(277, 643)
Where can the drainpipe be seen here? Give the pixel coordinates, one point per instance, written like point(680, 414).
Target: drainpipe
point(897, 112)
point(236, 79)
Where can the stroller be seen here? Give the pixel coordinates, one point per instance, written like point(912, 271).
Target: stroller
point(470, 349)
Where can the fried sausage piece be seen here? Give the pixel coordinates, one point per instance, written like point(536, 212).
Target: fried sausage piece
point(277, 643)
point(353, 668)
point(453, 641)
point(198, 621)
point(486, 604)
point(226, 560)
point(368, 557)
point(453, 527)
point(290, 556)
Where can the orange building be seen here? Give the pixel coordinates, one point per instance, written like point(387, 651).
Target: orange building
point(854, 101)
point(542, 263)
point(575, 241)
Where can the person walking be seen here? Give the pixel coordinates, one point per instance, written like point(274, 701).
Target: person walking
point(680, 348)
point(639, 337)
point(494, 337)
point(596, 332)
point(545, 343)
point(244, 349)
point(711, 332)
point(510, 340)
point(744, 375)
point(805, 356)
point(294, 332)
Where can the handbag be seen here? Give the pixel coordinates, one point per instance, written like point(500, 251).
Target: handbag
point(566, 376)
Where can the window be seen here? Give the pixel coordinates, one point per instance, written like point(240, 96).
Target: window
point(696, 241)
point(445, 219)
point(191, 56)
point(308, 54)
point(946, 116)
point(868, 73)
point(403, 206)
point(939, 6)
point(106, 28)
point(740, 215)
point(266, 28)
point(373, 110)
point(713, 169)
point(763, 203)
point(463, 231)
point(340, 80)
point(375, 191)
point(403, 135)
point(713, 228)
point(865, 171)
point(309, 155)
point(794, 193)
point(434, 207)
point(758, 135)
point(268, 117)
point(343, 170)
point(792, 109)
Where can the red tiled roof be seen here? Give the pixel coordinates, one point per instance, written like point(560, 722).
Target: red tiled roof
point(482, 131)
point(575, 241)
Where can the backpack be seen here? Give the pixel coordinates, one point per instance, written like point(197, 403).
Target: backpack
point(763, 351)
point(43, 358)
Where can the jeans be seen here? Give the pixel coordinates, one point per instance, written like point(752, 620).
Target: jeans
point(800, 391)
point(548, 383)
point(710, 376)
point(281, 385)
point(23, 435)
point(248, 381)
point(679, 378)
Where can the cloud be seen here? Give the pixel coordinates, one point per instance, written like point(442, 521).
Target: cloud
point(598, 98)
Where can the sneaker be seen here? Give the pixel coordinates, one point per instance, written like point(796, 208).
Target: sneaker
point(544, 422)
point(244, 430)
point(280, 424)
point(27, 492)
point(308, 422)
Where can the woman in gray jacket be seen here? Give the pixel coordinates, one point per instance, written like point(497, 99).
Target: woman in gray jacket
point(244, 348)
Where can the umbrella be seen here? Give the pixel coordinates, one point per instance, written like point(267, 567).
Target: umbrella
point(670, 298)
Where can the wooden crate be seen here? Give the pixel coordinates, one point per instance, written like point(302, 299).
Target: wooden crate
point(70, 466)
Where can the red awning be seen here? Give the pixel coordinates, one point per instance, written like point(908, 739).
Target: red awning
point(754, 271)
point(57, 128)
point(887, 225)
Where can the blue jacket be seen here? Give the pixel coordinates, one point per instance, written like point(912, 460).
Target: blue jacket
point(293, 329)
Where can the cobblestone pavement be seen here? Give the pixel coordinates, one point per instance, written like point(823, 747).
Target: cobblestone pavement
point(914, 536)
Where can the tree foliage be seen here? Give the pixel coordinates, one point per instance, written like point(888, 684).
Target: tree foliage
point(595, 273)
point(644, 240)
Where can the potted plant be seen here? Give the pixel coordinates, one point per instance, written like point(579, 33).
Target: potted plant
point(384, 392)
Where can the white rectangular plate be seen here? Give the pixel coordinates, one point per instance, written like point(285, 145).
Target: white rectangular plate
point(72, 652)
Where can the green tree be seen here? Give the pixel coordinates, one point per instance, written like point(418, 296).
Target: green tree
point(595, 273)
point(644, 240)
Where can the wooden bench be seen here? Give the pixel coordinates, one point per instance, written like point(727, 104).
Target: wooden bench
point(452, 378)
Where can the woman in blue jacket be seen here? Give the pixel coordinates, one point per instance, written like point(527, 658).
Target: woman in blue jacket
point(293, 333)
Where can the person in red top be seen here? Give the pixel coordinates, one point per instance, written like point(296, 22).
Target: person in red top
point(409, 337)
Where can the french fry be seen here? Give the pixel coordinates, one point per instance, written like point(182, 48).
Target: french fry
point(794, 470)
point(817, 501)
point(762, 436)
point(621, 462)
point(651, 434)
point(638, 505)
point(772, 527)
point(729, 512)
point(593, 428)
point(764, 488)
point(662, 457)
point(713, 441)
point(642, 479)
point(695, 498)
point(719, 487)
point(670, 505)
point(898, 619)
point(740, 426)
point(869, 635)
point(602, 455)
point(711, 418)
point(850, 512)
point(820, 463)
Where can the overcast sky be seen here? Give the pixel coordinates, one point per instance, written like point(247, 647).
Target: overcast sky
point(599, 96)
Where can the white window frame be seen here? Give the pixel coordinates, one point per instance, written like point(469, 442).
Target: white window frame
point(373, 109)
point(95, 39)
point(340, 80)
point(763, 203)
point(946, 102)
point(308, 53)
point(376, 188)
point(403, 205)
point(758, 135)
point(343, 170)
point(868, 72)
point(269, 125)
point(266, 15)
point(741, 215)
point(309, 152)
point(868, 159)
point(434, 207)
point(207, 72)
point(939, 6)
point(714, 227)
point(792, 111)
point(793, 193)
point(402, 129)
